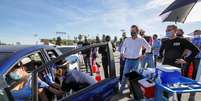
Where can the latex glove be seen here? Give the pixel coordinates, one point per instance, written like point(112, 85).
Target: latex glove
point(42, 84)
point(49, 79)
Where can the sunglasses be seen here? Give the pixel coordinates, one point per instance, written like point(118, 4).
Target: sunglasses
point(169, 29)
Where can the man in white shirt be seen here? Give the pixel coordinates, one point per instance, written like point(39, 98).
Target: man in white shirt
point(132, 51)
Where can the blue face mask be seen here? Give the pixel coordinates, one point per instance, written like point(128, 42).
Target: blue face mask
point(168, 34)
point(15, 76)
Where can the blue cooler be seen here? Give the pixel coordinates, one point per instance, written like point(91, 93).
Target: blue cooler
point(169, 74)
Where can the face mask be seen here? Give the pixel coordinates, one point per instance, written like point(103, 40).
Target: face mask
point(196, 36)
point(168, 34)
point(15, 76)
point(133, 33)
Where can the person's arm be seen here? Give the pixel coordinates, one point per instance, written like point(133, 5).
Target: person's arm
point(194, 50)
point(161, 49)
point(55, 91)
point(43, 84)
point(146, 46)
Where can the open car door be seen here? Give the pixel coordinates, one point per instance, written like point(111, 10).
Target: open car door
point(101, 91)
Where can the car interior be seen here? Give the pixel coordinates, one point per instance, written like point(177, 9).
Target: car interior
point(31, 62)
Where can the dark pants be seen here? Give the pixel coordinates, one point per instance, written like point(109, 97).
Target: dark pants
point(122, 63)
point(87, 63)
point(105, 65)
point(155, 60)
point(196, 63)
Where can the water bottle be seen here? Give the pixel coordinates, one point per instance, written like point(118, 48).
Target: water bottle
point(158, 80)
point(158, 77)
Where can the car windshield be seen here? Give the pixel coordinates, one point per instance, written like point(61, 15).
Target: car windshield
point(4, 56)
point(65, 49)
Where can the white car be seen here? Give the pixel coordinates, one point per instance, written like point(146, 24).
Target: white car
point(73, 59)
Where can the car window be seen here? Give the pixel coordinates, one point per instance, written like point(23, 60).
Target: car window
point(65, 49)
point(31, 62)
point(52, 54)
point(4, 56)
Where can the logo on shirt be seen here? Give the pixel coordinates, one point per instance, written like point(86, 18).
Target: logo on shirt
point(176, 44)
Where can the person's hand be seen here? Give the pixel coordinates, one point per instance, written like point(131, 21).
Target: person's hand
point(55, 91)
point(59, 72)
point(57, 86)
point(60, 93)
point(141, 57)
point(180, 61)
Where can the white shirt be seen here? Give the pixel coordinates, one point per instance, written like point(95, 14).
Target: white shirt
point(78, 77)
point(132, 48)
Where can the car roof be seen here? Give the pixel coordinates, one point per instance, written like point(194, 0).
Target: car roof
point(18, 51)
point(15, 48)
point(71, 46)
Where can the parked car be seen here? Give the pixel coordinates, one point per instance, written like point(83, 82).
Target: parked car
point(39, 60)
point(12, 56)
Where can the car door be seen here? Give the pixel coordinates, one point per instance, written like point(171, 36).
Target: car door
point(102, 90)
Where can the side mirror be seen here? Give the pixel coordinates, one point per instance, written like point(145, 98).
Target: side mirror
point(3, 85)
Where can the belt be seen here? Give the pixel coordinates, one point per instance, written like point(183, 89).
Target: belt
point(132, 58)
point(149, 53)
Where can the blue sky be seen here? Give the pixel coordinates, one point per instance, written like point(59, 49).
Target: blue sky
point(21, 18)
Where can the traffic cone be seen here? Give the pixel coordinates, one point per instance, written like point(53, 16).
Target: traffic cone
point(190, 71)
point(98, 76)
point(94, 67)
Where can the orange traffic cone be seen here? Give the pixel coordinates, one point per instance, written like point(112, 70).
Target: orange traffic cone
point(190, 71)
point(98, 76)
point(94, 67)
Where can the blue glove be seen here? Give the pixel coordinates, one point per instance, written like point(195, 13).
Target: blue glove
point(42, 84)
point(49, 79)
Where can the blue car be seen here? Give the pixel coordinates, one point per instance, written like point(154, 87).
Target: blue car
point(43, 57)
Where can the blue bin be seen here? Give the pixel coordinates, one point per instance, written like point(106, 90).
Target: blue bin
point(170, 77)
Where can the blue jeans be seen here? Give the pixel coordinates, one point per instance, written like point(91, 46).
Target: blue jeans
point(130, 65)
point(149, 59)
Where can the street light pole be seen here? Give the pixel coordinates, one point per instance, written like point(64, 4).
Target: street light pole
point(35, 35)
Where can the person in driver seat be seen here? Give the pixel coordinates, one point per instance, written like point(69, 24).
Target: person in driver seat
point(21, 90)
